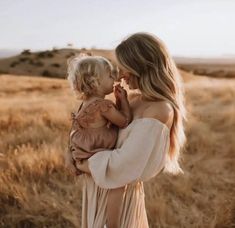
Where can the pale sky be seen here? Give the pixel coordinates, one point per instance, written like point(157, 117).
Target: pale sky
point(188, 28)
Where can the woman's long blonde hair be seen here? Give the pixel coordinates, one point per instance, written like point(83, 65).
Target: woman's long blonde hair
point(146, 57)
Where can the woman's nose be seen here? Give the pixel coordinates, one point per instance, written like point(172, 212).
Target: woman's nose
point(126, 76)
point(119, 76)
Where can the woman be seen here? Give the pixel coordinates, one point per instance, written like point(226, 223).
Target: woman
point(150, 143)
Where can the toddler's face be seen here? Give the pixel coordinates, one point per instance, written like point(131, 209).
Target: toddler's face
point(107, 82)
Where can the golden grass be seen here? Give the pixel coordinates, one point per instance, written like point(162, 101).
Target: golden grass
point(37, 191)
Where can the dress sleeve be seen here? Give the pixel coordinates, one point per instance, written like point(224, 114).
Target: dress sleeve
point(105, 105)
point(141, 156)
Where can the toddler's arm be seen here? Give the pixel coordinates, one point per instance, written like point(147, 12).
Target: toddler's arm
point(122, 101)
point(121, 116)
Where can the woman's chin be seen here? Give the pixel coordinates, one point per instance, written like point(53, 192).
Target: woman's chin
point(131, 87)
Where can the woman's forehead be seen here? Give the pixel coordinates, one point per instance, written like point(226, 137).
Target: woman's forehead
point(121, 68)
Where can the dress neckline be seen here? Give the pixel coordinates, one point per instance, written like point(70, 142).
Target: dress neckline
point(150, 119)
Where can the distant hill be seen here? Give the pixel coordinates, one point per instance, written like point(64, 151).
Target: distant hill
point(44, 63)
point(215, 67)
point(53, 63)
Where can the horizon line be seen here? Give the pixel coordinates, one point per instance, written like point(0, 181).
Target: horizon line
point(18, 51)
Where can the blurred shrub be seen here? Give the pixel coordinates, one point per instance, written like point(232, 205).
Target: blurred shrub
point(70, 55)
point(55, 50)
point(46, 73)
point(23, 59)
point(55, 65)
point(45, 54)
point(26, 52)
point(13, 64)
point(35, 63)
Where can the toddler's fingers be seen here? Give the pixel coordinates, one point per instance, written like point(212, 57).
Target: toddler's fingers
point(118, 86)
point(118, 90)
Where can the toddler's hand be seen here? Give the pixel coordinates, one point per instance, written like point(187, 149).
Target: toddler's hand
point(72, 169)
point(120, 93)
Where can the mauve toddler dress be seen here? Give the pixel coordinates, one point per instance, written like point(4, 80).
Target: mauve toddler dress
point(85, 141)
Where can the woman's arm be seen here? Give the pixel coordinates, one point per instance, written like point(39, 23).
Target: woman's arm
point(163, 115)
point(141, 156)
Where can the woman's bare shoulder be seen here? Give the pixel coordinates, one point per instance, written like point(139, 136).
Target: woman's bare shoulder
point(162, 111)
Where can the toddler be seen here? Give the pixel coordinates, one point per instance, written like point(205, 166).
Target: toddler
point(95, 125)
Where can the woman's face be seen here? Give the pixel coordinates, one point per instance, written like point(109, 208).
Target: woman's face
point(129, 78)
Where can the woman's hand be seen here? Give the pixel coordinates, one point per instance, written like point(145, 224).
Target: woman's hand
point(83, 166)
point(70, 165)
point(73, 170)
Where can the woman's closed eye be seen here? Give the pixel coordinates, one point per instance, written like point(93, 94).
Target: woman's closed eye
point(112, 76)
point(121, 74)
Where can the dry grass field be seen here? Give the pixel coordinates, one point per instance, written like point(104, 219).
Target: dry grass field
point(37, 191)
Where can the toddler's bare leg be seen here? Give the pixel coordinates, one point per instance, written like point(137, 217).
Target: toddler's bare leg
point(114, 207)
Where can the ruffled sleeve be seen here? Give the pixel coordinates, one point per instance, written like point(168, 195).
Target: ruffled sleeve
point(105, 105)
point(141, 156)
point(88, 116)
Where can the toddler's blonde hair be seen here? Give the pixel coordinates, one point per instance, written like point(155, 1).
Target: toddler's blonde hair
point(84, 73)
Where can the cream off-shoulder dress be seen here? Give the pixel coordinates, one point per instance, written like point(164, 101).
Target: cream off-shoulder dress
point(141, 153)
